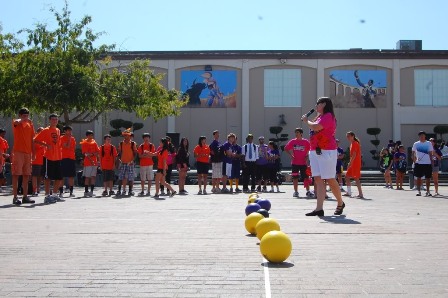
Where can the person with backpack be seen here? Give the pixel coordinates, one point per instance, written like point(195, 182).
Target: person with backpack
point(91, 151)
point(108, 156)
point(146, 151)
point(183, 164)
point(127, 151)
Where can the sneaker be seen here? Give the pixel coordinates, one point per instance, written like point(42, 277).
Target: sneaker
point(200, 192)
point(86, 194)
point(72, 195)
point(245, 190)
point(91, 194)
point(173, 193)
point(204, 192)
point(156, 196)
point(272, 190)
point(131, 193)
point(259, 188)
point(295, 194)
point(35, 194)
point(419, 194)
point(162, 193)
point(225, 190)
point(111, 192)
point(104, 193)
point(309, 194)
point(278, 189)
point(231, 190)
point(428, 194)
point(265, 189)
point(49, 199)
point(168, 192)
point(16, 202)
point(148, 193)
point(237, 190)
point(58, 198)
point(141, 194)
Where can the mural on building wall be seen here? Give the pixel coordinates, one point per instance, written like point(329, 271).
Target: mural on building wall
point(209, 89)
point(358, 88)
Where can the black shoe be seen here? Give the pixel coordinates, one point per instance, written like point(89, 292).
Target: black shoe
point(16, 202)
point(316, 213)
point(27, 200)
point(339, 209)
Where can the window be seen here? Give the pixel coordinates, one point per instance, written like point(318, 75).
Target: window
point(431, 87)
point(282, 87)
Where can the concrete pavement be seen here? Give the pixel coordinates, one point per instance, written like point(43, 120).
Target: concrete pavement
point(392, 243)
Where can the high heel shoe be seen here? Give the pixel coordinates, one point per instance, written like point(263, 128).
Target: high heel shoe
point(316, 213)
point(339, 209)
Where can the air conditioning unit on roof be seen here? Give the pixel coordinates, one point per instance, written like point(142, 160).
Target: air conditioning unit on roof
point(409, 45)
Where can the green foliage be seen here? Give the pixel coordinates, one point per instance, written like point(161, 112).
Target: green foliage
point(441, 130)
point(62, 71)
point(373, 131)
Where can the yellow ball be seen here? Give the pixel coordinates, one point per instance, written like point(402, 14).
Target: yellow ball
point(251, 200)
point(266, 225)
point(275, 246)
point(253, 195)
point(251, 221)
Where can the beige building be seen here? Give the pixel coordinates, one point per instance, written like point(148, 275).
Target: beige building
point(410, 93)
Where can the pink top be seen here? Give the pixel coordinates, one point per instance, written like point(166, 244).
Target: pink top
point(300, 149)
point(325, 137)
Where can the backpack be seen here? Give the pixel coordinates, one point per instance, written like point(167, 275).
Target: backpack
point(111, 150)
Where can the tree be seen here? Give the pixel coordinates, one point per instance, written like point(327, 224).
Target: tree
point(374, 131)
point(62, 71)
point(440, 130)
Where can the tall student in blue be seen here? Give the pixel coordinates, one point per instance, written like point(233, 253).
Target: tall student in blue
point(422, 152)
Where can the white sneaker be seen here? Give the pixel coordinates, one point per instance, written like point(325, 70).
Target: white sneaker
point(295, 194)
point(90, 193)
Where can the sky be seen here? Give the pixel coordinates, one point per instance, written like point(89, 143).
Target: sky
point(193, 25)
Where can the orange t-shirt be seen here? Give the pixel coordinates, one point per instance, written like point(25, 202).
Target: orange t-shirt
point(146, 161)
point(51, 137)
point(23, 137)
point(204, 150)
point(108, 158)
point(39, 151)
point(3, 148)
point(90, 147)
point(161, 159)
point(68, 152)
point(127, 153)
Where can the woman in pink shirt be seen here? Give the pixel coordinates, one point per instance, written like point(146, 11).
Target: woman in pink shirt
point(324, 154)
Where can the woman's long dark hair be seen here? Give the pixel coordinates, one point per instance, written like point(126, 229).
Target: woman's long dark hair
point(165, 145)
point(181, 146)
point(354, 136)
point(200, 140)
point(328, 108)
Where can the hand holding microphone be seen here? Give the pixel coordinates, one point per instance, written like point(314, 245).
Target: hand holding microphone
point(307, 114)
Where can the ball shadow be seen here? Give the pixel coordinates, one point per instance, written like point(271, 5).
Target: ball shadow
point(277, 265)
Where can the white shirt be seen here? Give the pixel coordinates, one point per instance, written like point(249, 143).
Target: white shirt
point(245, 151)
point(423, 151)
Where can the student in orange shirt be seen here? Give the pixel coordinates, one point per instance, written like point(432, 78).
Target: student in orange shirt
point(145, 152)
point(354, 165)
point(49, 137)
point(90, 150)
point(127, 151)
point(37, 166)
point(68, 146)
point(22, 154)
point(108, 156)
point(162, 166)
point(3, 156)
point(202, 155)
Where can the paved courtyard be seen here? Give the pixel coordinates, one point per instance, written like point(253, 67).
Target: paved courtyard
point(391, 243)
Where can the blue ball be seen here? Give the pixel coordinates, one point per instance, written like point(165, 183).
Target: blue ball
point(252, 207)
point(264, 204)
point(263, 212)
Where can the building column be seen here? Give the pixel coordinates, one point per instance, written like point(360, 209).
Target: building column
point(396, 105)
point(320, 78)
point(245, 112)
point(171, 125)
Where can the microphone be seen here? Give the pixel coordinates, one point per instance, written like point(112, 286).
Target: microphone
point(308, 114)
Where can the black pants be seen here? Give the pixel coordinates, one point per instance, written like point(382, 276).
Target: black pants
point(249, 173)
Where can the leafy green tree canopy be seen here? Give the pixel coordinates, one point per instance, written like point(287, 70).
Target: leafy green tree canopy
point(62, 71)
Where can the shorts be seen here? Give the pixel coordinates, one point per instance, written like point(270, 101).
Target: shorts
point(273, 174)
point(36, 170)
point(53, 170)
point(108, 175)
point(262, 172)
point(324, 165)
point(202, 168)
point(126, 171)
point(423, 170)
point(89, 171)
point(435, 169)
point(216, 170)
point(339, 168)
point(146, 173)
point(227, 169)
point(68, 167)
point(160, 171)
point(21, 164)
point(299, 169)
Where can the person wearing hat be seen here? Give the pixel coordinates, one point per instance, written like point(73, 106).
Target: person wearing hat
point(250, 153)
point(127, 151)
point(422, 154)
